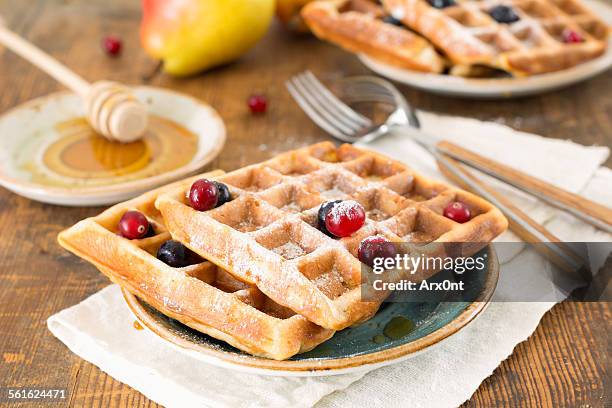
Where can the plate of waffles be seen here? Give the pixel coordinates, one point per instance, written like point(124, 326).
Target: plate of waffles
point(49, 153)
point(274, 292)
point(472, 48)
point(398, 331)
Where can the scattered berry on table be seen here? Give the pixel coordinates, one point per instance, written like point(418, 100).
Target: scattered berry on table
point(440, 4)
point(322, 214)
point(224, 194)
point(344, 218)
point(133, 225)
point(257, 103)
point(504, 14)
point(203, 195)
point(571, 36)
point(112, 45)
point(175, 254)
point(457, 212)
point(373, 247)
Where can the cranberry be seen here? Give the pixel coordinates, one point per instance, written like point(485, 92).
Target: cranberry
point(571, 36)
point(457, 212)
point(257, 103)
point(344, 218)
point(203, 195)
point(112, 45)
point(373, 247)
point(322, 214)
point(133, 225)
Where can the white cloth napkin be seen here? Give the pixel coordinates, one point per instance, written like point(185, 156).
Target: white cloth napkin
point(100, 329)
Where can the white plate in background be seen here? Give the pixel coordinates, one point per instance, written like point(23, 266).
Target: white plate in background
point(500, 87)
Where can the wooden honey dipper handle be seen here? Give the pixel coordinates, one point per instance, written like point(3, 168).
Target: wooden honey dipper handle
point(111, 109)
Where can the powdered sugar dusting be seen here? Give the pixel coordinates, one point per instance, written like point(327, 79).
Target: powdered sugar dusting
point(246, 226)
point(289, 250)
point(344, 210)
point(398, 13)
point(377, 214)
point(331, 283)
point(418, 237)
point(333, 194)
point(291, 207)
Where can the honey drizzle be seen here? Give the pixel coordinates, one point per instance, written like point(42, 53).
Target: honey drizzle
point(80, 154)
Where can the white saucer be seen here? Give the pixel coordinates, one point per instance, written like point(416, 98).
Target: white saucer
point(500, 87)
point(21, 125)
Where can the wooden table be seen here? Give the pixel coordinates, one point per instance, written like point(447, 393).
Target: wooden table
point(565, 363)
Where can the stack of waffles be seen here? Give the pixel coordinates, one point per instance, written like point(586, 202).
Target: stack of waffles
point(464, 37)
point(268, 281)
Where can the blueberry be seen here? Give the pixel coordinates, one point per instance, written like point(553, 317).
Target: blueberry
point(174, 253)
point(504, 14)
point(224, 194)
point(440, 4)
point(392, 20)
point(151, 232)
point(323, 210)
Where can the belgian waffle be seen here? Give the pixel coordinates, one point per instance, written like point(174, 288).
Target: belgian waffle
point(202, 296)
point(357, 26)
point(469, 38)
point(267, 236)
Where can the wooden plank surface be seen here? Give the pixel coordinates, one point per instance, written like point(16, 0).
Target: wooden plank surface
point(564, 364)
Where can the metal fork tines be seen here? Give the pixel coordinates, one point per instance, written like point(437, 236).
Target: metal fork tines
point(340, 120)
point(325, 109)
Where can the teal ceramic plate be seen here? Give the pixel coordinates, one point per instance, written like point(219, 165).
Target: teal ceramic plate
point(398, 331)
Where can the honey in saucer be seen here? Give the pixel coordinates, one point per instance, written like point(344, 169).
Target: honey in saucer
point(83, 157)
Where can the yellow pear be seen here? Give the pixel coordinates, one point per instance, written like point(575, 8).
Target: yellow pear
point(190, 36)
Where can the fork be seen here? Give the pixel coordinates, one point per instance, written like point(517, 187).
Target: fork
point(342, 122)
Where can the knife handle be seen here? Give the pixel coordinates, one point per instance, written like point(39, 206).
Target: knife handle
point(587, 210)
point(542, 240)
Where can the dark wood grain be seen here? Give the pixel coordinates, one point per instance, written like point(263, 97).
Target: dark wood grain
point(564, 364)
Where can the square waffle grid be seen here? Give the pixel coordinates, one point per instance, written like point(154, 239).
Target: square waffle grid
point(200, 295)
point(267, 235)
point(534, 44)
point(357, 26)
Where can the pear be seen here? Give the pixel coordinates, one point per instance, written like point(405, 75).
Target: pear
point(191, 36)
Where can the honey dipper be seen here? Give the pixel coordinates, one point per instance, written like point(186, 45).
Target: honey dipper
point(111, 109)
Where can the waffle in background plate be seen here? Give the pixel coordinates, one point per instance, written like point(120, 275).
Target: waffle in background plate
point(357, 26)
point(539, 36)
point(201, 295)
point(534, 39)
point(267, 236)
